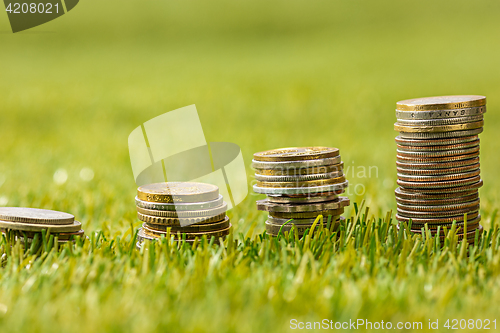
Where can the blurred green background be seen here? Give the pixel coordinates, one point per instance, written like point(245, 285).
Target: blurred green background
point(262, 74)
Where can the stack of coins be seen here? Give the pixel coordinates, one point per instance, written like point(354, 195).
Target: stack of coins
point(300, 184)
point(184, 210)
point(26, 223)
point(438, 163)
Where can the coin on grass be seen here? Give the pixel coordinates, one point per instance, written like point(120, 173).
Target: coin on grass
point(60, 235)
point(267, 205)
point(298, 178)
point(296, 154)
point(177, 221)
point(35, 215)
point(185, 214)
point(440, 122)
point(294, 165)
point(430, 220)
point(191, 235)
point(471, 223)
point(191, 228)
point(441, 103)
point(296, 171)
point(178, 192)
point(186, 206)
point(441, 114)
point(433, 129)
point(55, 228)
point(274, 229)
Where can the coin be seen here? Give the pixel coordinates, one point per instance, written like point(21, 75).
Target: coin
point(440, 122)
point(269, 206)
point(433, 178)
point(437, 172)
point(191, 228)
point(441, 103)
point(307, 215)
point(437, 208)
point(274, 229)
point(458, 224)
point(434, 142)
point(304, 190)
point(306, 199)
point(440, 214)
point(418, 195)
point(436, 202)
point(55, 228)
point(179, 206)
point(439, 184)
point(309, 183)
point(436, 154)
point(321, 169)
point(62, 236)
point(293, 165)
point(174, 192)
point(185, 214)
point(296, 154)
point(299, 178)
point(192, 235)
point(440, 135)
point(441, 114)
point(443, 146)
point(177, 221)
point(441, 159)
point(433, 129)
point(435, 220)
point(445, 165)
point(35, 216)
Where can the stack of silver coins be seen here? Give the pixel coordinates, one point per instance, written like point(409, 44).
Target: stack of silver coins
point(438, 164)
point(27, 224)
point(182, 210)
point(300, 184)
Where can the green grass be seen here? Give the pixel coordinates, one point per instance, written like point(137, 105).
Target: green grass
point(263, 75)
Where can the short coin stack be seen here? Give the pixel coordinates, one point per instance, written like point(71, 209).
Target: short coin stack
point(28, 223)
point(177, 208)
point(438, 163)
point(300, 183)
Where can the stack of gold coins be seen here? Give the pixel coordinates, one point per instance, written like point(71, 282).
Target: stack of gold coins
point(183, 210)
point(438, 163)
point(27, 224)
point(300, 184)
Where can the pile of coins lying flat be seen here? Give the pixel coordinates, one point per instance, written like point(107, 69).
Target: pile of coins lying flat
point(27, 223)
point(300, 184)
point(438, 163)
point(184, 210)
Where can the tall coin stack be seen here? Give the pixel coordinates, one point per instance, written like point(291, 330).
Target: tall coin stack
point(28, 223)
point(178, 208)
point(438, 163)
point(300, 184)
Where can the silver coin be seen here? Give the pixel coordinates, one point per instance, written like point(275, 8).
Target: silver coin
point(307, 199)
point(185, 213)
point(268, 206)
point(434, 178)
point(440, 135)
point(440, 165)
point(301, 190)
point(470, 211)
point(298, 178)
point(444, 190)
point(441, 122)
point(430, 202)
point(437, 172)
point(35, 216)
point(179, 206)
point(438, 184)
point(443, 146)
point(286, 165)
point(434, 142)
point(452, 207)
point(437, 153)
point(280, 221)
point(441, 114)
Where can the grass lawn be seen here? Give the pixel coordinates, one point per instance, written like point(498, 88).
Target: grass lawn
point(263, 75)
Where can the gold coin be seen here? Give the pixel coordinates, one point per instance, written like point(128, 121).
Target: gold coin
point(54, 228)
point(296, 154)
point(304, 184)
point(322, 169)
point(441, 103)
point(191, 228)
point(193, 235)
point(434, 129)
point(177, 221)
point(178, 192)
